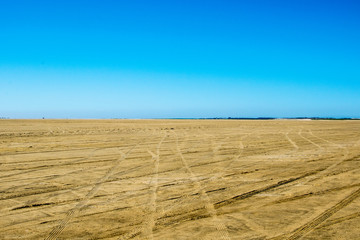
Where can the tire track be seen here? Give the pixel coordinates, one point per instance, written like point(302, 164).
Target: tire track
point(330, 167)
point(241, 148)
point(49, 151)
point(310, 194)
point(71, 188)
point(70, 214)
point(251, 224)
point(39, 168)
point(150, 223)
point(291, 141)
point(124, 195)
point(221, 228)
point(96, 145)
point(222, 173)
point(55, 176)
point(184, 197)
point(309, 226)
point(135, 225)
point(308, 140)
point(339, 220)
point(264, 189)
point(6, 159)
point(78, 161)
point(324, 140)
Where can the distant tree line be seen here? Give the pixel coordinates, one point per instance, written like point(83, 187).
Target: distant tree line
point(271, 118)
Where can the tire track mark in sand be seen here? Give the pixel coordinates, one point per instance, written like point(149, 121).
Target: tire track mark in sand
point(198, 211)
point(70, 214)
point(346, 153)
point(222, 172)
point(92, 153)
point(325, 140)
point(240, 147)
point(218, 175)
point(308, 140)
point(332, 166)
point(6, 160)
point(42, 167)
point(339, 220)
point(311, 194)
point(291, 141)
point(220, 227)
point(309, 226)
point(263, 189)
point(251, 224)
point(154, 185)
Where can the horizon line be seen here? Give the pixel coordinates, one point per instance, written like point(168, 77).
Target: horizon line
point(194, 118)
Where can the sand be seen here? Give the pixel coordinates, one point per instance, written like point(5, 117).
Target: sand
point(179, 179)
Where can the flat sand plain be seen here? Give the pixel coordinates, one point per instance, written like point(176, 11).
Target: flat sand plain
point(179, 179)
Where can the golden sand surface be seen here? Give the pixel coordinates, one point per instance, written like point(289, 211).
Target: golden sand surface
point(179, 179)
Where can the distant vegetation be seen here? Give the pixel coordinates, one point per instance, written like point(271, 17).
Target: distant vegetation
point(272, 118)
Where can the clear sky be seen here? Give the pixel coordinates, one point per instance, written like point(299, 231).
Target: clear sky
point(178, 58)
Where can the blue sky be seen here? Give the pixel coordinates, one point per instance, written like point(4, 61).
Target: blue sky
point(159, 59)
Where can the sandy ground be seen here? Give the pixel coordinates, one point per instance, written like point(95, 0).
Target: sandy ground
point(179, 179)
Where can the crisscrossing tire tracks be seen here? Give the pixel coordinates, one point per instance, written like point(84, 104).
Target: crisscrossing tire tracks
point(70, 214)
point(221, 228)
point(309, 226)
